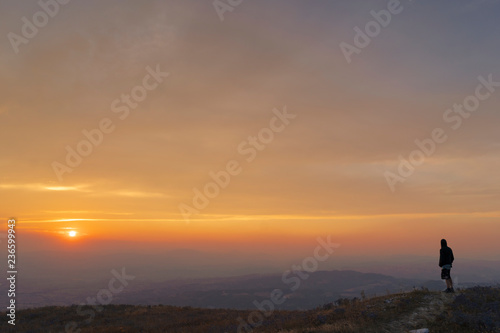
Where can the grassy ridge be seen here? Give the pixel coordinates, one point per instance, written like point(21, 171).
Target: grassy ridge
point(472, 310)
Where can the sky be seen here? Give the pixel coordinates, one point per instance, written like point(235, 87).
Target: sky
point(307, 140)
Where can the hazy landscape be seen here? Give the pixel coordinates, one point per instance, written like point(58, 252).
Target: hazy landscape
point(219, 280)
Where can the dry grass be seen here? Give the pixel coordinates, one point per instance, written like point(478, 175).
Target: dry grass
point(391, 313)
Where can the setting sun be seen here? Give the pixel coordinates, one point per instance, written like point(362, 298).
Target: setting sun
point(72, 233)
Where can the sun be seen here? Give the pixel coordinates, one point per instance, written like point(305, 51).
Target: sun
point(72, 233)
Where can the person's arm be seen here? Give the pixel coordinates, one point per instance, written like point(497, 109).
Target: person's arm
point(452, 257)
point(440, 258)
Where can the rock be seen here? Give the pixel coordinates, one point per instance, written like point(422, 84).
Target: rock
point(422, 330)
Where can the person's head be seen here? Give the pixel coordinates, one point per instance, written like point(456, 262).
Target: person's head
point(444, 243)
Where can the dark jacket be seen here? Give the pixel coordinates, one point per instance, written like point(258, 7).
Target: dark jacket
point(445, 256)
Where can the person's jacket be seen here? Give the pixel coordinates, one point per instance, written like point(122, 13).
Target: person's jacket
point(445, 256)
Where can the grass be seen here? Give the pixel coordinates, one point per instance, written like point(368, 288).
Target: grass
point(471, 310)
point(474, 310)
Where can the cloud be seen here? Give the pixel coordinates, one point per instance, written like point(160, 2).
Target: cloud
point(44, 187)
point(353, 122)
point(136, 194)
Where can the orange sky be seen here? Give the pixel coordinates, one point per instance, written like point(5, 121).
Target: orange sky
point(321, 173)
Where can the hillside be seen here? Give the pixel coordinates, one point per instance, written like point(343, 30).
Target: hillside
point(475, 309)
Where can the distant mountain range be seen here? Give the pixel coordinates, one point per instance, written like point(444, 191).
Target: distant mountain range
point(300, 290)
point(218, 280)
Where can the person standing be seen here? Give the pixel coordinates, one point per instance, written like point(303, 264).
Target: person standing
point(445, 261)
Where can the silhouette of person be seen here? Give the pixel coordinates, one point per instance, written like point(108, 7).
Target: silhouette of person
point(445, 261)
